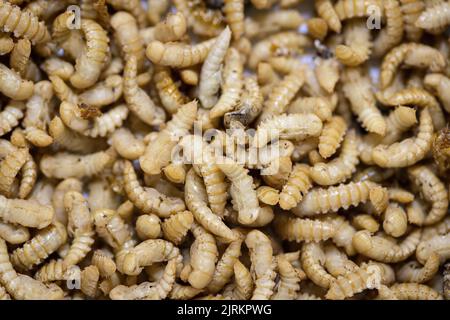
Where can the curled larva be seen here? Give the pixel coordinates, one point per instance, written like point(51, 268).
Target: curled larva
point(332, 199)
point(331, 136)
point(395, 220)
point(327, 12)
point(103, 93)
point(172, 28)
point(357, 89)
point(211, 75)
point(365, 222)
point(337, 263)
point(296, 126)
point(9, 169)
point(411, 55)
point(313, 261)
point(412, 271)
point(10, 116)
point(46, 241)
point(169, 93)
point(289, 280)
point(440, 85)
point(296, 229)
point(195, 199)
point(320, 106)
point(439, 244)
point(411, 10)
point(225, 267)
point(435, 17)
point(112, 229)
point(231, 84)
point(178, 55)
point(414, 291)
point(158, 152)
point(20, 56)
point(104, 262)
point(148, 200)
point(268, 195)
point(358, 46)
point(298, 183)
point(13, 86)
point(348, 9)
point(70, 184)
point(408, 151)
point(148, 226)
point(25, 212)
point(262, 264)
point(14, 234)
point(341, 168)
point(132, 6)
point(126, 144)
point(317, 28)
point(176, 227)
point(64, 165)
point(384, 250)
point(107, 122)
point(392, 33)
point(58, 67)
point(289, 40)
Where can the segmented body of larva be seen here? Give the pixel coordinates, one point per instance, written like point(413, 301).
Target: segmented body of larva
point(327, 12)
point(331, 136)
point(132, 6)
point(10, 116)
point(395, 220)
point(268, 195)
point(296, 229)
point(392, 34)
point(225, 267)
point(317, 28)
point(243, 286)
point(411, 10)
point(6, 43)
point(172, 28)
point(14, 234)
point(327, 73)
point(58, 67)
point(381, 249)
point(13, 86)
point(348, 9)
point(126, 144)
point(435, 17)
point(25, 213)
point(440, 85)
point(108, 122)
point(438, 243)
point(337, 263)
point(298, 183)
point(313, 260)
point(103, 93)
point(169, 93)
point(414, 291)
point(289, 280)
point(414, 272)
point(176, 227)
point(180, 292)
point(20, 56)
point(358, 45)
point(9, 169)
point(148, 226)
point(365, 222)
point(234, 15)
point(104, 262)
point(113, 230)
point(320, 106)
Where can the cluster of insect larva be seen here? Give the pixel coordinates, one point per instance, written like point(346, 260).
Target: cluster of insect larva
point(224, 149)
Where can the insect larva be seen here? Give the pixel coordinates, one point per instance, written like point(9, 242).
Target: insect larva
point(57, 67)
point(412, 55)
point(411, 10)
point(169, 93)
point(9, 169)
point(327, 12)
point(114, 231)
point(395, 220)
point(107, 122)
point(189, 76)
point(341, 168)
point(270, 22)
point(348, 9)
point(393, 32)
point(296, 229)
point(327, 73)
point(365, 222)
point(103, 93)
point(313, 260)
point(383, 250)
point(358, 45)
point(414, 291)
point(234, 15)
point(6, 43)
point(298, 183)
point(172, 28)
point(320, 106)
point(357, 89)
point(436, 17)
point(289, 280)
point(12, 85)
point(332, 199)
point(374, 174)
point(337, 263)
point(210, 76)
point(332, 135)
point(225, 266)
point(156, 9)
point(268, 195)
point(178, 55)
point(104, 262)
point(132, 6)
point(20, 56)
point(14, 234)
point(176, 227)
point(439, 84)
point(148, 226)
point(243, 286)
point(414, 272)
point(231, 84)
point(438, 244)
point(317, 28)
point(126, 144)
point(408, 151)
point(63, 91)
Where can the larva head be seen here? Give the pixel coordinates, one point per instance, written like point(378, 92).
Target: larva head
point(44, 89)
point(121, 19)
point(79, 216)
point(362, 241)
point(131, 264)
point(248, 215)
point(423, 251)
point(155, 51)
point(379, 198)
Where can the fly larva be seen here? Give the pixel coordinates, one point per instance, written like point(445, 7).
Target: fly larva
point(115, 67)
point(149, 200)
point(37, 249)
point(327, 73)
point(326, 11)
point(138, 101)
point(392, 34)
point(265, 74)
point(148, 226)
point(341, 168)
point(440, 228)
point(72, 140)
point(320, 106)
point(6, 43)
point(249, 106)
point(358, 46)
point(172, 28)
point(400, 195)
point(231, 84)
point(156, 9)
point(64, 165)
point(103, 93)
point(126, 144)
point(225, 267)
point(23, 23)
point(13, 234)
point(89, 279)
point(23, 287)
point(58, 197)
point(384, 250)
point(288, 286)
point(408, 151)
point(337, 263)
point(9, 169)
point(147, 35)
point(287, 126)
point(26, 213)
point(176, 227)
point(211, 75)
point(432, 190)
point(313, 260)
point(317, 28)
point(20, 56)
point(101, 194)
point(420, 98)
point(132, 6)
point(10, 116)
point(266, 23)
point(241, 184)
point(411, 10)
point(348, 9)
point(268, 195)
point(296, 229)
point(126, 210)
point(180, 292)
point(414, 272)
point(357, 89)
point(265, 217)
point(178, 55)
point(436, 17)
point(58, 67)
point(169, 93)
point(234, 15)
point(107, 122)
point(175, 172)
point(440, 85)
point(42, 192)
point(277, 172)
point(365, 222)
point(104, 262)
point(332, 135)
point(414, 291)
point(195, 199)
point(149, 291)
point(262, 264)
point(12, 85)
point(91, 60)
point(62, 90)
point(80, 227)
point(113, 230)
point(71, 41)
point(189, 76)
point(411, 55)
point(374, 174)
point(127, 35)
point(438, 243)
point(243, 287)
point(298, 183)
point(395, 220)
point(331, 199)
point(158, 152)
point(264, 49)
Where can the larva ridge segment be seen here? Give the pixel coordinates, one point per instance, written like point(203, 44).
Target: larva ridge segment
point(313, 260)
point(297, 229)
point(298, 183)
point(331, 136)
point(414, 291)
point(435, 17)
